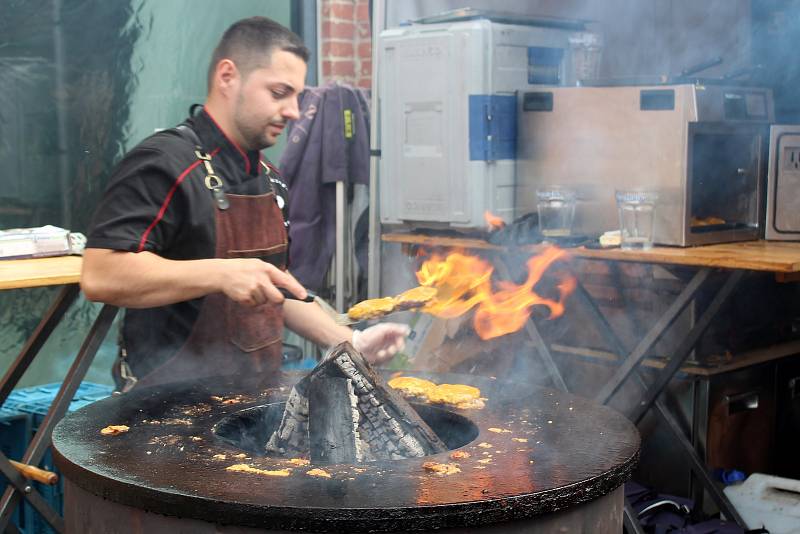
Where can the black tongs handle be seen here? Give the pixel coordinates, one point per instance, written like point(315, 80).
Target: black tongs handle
point(291, 296)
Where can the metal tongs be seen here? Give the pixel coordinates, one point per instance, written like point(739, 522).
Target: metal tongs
point(339, 318)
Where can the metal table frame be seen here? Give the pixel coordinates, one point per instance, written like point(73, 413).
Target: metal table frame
point(650, 394)
point(19, 487)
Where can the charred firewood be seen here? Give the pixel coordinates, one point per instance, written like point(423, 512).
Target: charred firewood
point(333, 421)
point(343, 412)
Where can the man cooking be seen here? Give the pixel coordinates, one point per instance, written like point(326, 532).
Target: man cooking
point(191, 236)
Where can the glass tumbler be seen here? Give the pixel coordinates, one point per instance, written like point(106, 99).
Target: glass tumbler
point(637, 212)
point(556, 209)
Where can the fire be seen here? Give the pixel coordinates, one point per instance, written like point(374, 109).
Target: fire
point(464, 282)
point(493, 221)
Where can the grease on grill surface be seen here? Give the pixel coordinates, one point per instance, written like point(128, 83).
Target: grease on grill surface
point(441, 469)
point(244, 468)
point(318, 473)
point(113, 430)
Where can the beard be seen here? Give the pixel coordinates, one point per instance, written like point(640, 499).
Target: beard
point(254, 136)
point(253, 130)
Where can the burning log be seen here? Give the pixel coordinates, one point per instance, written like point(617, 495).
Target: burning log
point(343, 412)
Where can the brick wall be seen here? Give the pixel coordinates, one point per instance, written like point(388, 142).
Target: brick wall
point(345, 42)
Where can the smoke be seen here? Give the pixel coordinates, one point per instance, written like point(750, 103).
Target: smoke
point(641, 38)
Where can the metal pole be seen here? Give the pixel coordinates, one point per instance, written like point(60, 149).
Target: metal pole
point(61, 121)
point(341, 240)
point(374, 249)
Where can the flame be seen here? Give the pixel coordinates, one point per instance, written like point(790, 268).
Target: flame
point(493, 221)
point(464, 282)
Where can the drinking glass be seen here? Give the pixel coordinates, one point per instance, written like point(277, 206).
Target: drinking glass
point(637, 211)
point(556, 209)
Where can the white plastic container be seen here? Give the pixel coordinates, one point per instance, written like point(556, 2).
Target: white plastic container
point(428, 74)
point(768, 501)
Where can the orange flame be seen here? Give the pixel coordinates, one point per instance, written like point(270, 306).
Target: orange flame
point(493, 221)
point(464, 282)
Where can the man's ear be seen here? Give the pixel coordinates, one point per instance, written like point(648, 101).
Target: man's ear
point(226, 75)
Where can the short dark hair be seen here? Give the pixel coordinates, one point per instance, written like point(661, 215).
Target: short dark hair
point(247, 41)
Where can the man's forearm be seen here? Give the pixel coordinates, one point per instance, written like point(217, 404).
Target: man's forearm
point(145, 280)
point(309, 321)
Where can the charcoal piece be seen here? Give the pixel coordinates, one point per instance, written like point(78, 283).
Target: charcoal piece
point(292, 434)
point(363, 419)
point(332, 422)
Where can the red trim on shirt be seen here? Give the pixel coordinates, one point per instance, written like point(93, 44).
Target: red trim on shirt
point(168, 199)
point(231, 141)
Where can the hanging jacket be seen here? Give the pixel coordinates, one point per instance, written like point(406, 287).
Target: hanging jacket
point(329, 143)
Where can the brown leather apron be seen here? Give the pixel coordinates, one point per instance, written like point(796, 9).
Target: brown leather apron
point(230, 338)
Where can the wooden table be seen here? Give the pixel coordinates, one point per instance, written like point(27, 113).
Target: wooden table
point(729, 261)
point(768, 256)
point(17, 274)
point(21, 274)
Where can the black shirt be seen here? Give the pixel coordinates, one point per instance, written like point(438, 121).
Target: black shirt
point(157, 201)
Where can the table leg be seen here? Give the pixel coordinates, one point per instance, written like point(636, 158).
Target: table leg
point(545, 354)
point(40, 442)
point(698, 466)
point(533, 332)
point(54, 314)
point(686, 346)
point(637, 355)
point(21, 484)
point(605, 328)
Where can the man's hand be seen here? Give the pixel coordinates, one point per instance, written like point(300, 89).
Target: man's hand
point(253, 282)
point(381, 342)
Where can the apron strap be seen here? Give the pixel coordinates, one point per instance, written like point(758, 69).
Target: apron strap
point(213, 181)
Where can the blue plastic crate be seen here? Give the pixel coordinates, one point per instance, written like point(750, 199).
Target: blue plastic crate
point(37, 399)
point(92, 391)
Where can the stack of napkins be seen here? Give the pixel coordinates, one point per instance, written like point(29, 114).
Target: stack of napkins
point(39, 242)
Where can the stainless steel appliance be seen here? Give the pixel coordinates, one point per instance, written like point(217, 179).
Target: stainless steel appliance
point(783, 184)
point(700, 147)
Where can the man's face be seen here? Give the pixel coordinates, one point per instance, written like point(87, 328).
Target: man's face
point(267, 98)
